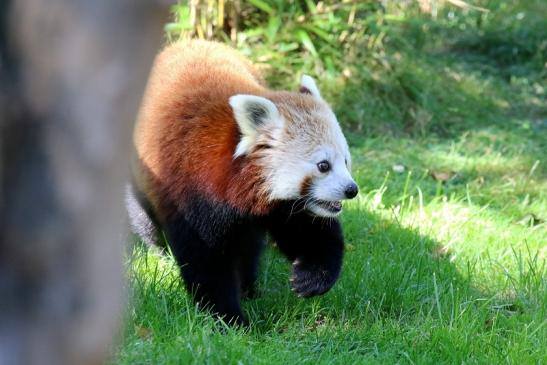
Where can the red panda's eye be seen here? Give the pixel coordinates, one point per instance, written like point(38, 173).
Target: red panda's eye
point(323, 166)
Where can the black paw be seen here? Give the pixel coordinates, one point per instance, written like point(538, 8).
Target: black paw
point(229, 312)
point(311, 280)
point(233, 319)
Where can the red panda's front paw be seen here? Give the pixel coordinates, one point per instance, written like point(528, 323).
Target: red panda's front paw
point(311, 280)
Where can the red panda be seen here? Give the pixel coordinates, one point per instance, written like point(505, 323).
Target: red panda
point(221, 161)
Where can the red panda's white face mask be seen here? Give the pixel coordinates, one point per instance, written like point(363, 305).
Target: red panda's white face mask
point(306, 158)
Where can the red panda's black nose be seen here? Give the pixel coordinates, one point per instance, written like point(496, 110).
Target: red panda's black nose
point(351, 190)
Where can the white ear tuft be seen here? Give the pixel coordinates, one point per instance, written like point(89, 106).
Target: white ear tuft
point(253, 114)
point(308, 86)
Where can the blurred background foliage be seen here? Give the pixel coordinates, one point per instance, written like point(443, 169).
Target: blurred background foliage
point(387, 66)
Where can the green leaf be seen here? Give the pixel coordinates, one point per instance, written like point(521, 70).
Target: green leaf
point(273, 26)
point(176, 27)
point(306, 41)
point(319, 32)
point(287, 47)
point(262, 5)
point(311, 6)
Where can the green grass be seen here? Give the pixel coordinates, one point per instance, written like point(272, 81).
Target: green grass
point(435, 271)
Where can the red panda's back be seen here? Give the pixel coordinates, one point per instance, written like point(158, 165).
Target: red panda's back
point(185, 134)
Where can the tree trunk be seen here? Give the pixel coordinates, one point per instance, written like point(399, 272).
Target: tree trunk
point(71, 77)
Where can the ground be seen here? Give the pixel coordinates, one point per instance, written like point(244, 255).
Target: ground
point(446, 243)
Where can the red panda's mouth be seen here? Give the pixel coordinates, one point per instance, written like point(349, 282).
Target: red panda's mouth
point(331, 206)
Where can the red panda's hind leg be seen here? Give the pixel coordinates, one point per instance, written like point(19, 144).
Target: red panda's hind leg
point(210, 272)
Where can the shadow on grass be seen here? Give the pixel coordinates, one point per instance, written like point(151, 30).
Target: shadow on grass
point(389, 272)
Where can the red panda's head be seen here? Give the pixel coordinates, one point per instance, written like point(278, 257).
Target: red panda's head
point(300, 146)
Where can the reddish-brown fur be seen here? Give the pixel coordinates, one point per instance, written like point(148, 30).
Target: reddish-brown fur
point(186, 134)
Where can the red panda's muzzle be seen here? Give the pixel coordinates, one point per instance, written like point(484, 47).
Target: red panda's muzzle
point(333, 207)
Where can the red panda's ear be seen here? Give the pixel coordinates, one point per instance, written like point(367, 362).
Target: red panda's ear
point(253, 114)
point(308, 86)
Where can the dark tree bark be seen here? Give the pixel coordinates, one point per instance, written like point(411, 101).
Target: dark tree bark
point(71, 76)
